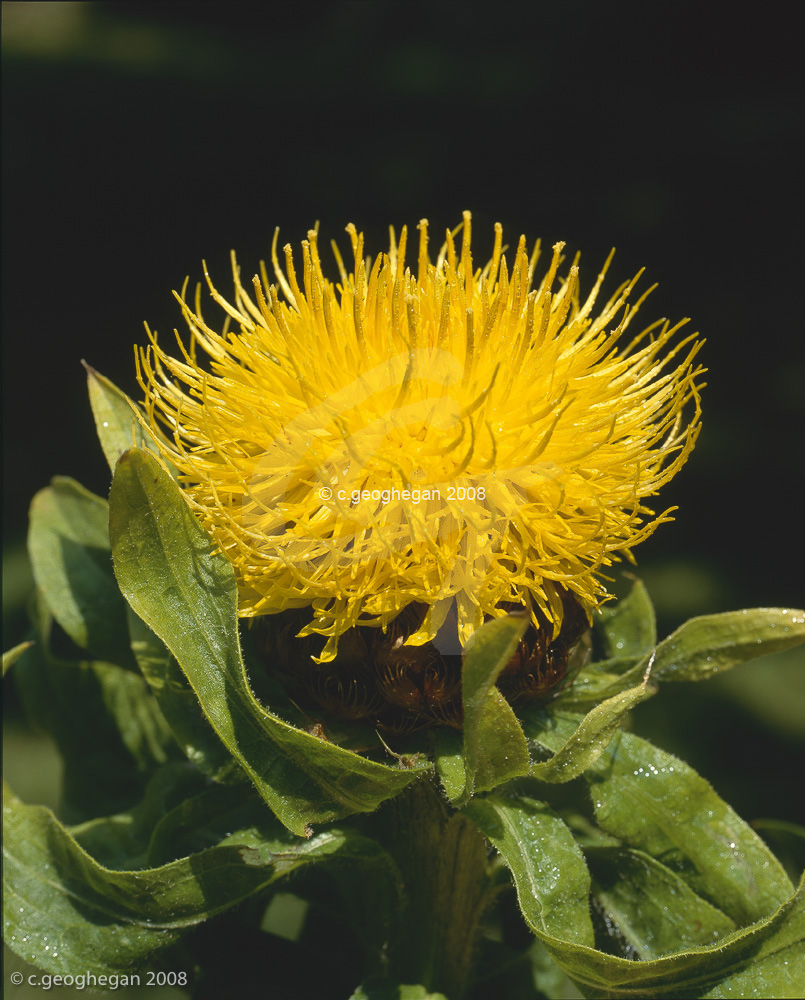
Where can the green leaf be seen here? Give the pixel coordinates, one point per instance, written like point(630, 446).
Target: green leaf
point(72, 563)
point(777, 968)
point(551, 879)
point(179, 705)
point(104, 721)
point(550, 875)
point(590, 739)
point(202, 820)
point(594, 685)
point(705, 646)
point(495, 749)
point(551, 979)
point(122, 840)
point(448, 757)
point(654, 909)
point(626, 634)
point(118, 420)
point(499, 748)
point(697, 650)
point(63, 911)
point(387, 989)
point(683, 844)
point(166, 568)
point(11, 657)
point(628, 628)
point(654, 802)
point(764, 956)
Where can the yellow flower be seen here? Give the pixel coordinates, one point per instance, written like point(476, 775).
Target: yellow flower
point(444, 435)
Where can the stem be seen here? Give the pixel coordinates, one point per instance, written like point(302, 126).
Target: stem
point(443, 862)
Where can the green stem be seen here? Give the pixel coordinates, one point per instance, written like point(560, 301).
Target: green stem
point(443, 862)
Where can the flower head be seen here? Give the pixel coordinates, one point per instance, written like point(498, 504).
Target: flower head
point(436, 434)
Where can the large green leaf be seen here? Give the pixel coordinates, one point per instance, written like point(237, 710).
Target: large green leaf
point(705, 646)
point(550, 875)
point(495, 748)
point(656, 803)
point(69, 546)
point(655, 911)
point(63, 911)
point(763, 957)
point(166, 568)
point(777, 968)
point(764, 954)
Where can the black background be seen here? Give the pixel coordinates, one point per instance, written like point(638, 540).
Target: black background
point(141, 138)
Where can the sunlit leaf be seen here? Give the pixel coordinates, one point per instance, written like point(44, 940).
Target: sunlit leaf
point(115, 418)
point(551, 880)
point(705, 646)
point(656, 803)
point(777, 968)
point(449, 759)
point(495, 749)
point(11, 657)
point(548, 868)
point(590, 739)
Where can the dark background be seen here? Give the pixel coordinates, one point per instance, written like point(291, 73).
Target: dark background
point(141, 138)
